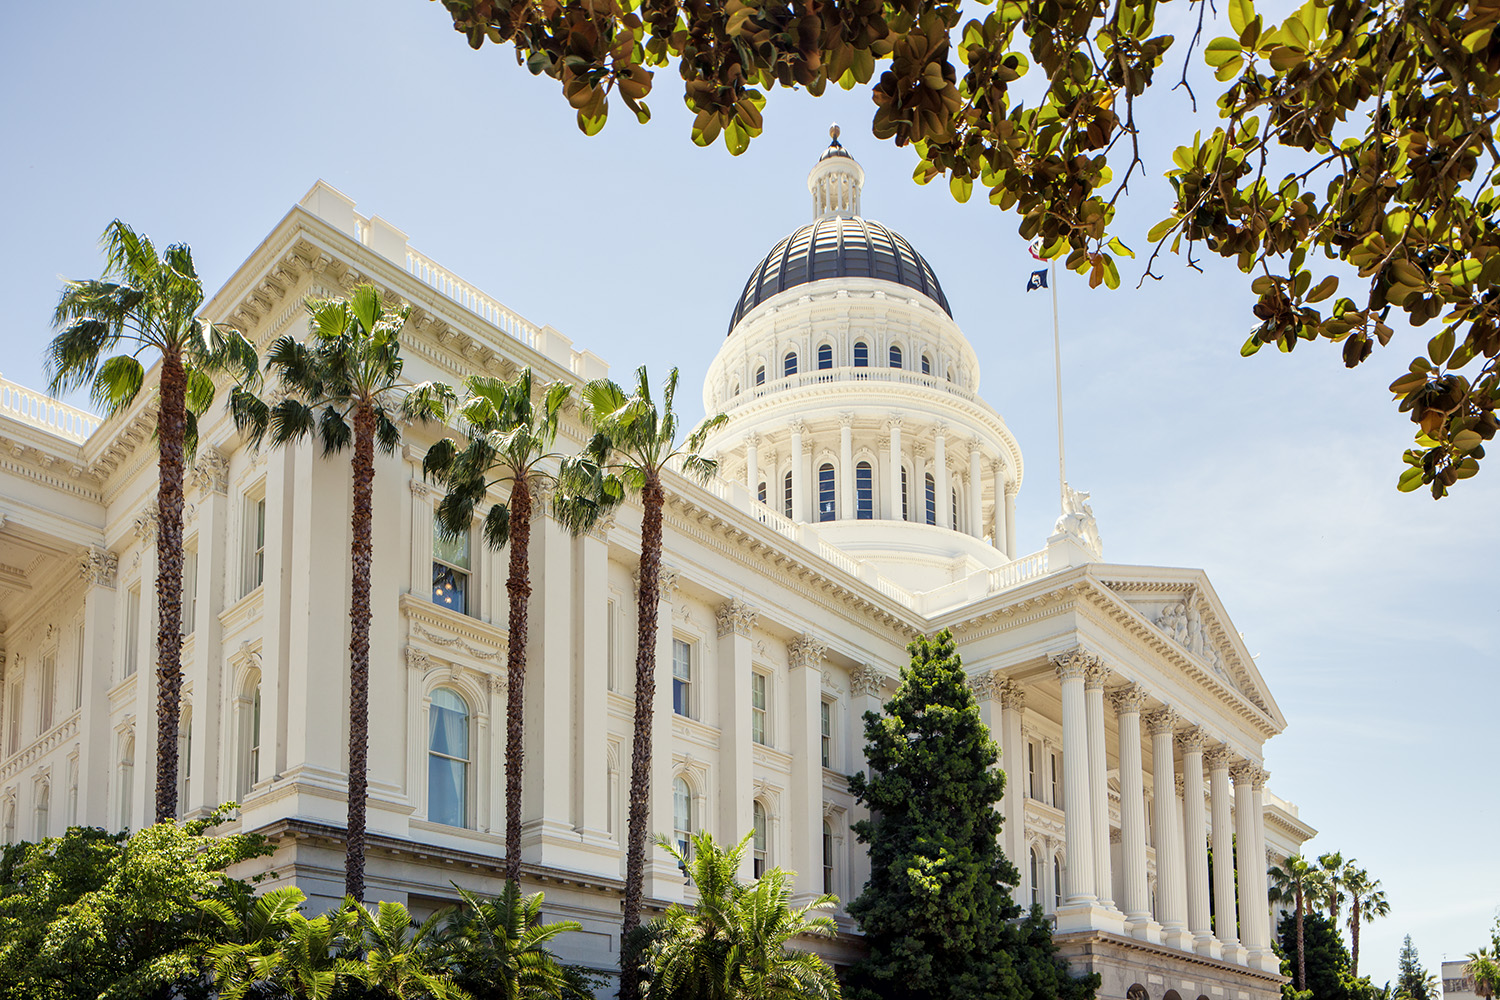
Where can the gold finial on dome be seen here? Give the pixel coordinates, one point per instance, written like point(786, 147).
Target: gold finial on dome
point(833, 131)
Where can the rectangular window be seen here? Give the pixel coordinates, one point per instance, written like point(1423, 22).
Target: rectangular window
point(1056, 780)
point(189, 591)
point(825, 732)
point(682, 677)
point(905, 507)
point(611, 659)
point(47, 702)
point(864, 491)
point(255, 544)
point(1032, 785)
point(450, 570)
point(131, 653)
point(78, 673)
point(786, 495)
point(758, 707)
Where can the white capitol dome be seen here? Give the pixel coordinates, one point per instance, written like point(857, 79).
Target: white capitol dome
point(852, 398)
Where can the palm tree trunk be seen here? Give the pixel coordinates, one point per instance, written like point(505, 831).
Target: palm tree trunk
point(1301, 944)
point(171, 426)
point(518, 586)
point(647, 600)
point(1354, 936)
point(359, 649)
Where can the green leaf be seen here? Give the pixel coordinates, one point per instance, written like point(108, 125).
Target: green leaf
point(1222, 51)
point(961, 187)
point(1477, 40)
point(1410, 480)
point(1241, 13)
point(1467, 440)
point(736, 137)
point(1325, 288)
point(1160, 230)
point(1250, 346)
point(1439, 347)
point(1120, 248)
point(591, 124)
point(1111, 273)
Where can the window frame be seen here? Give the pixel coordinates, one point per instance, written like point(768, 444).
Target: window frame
point(861, 354)
point(930, 509)
point(130, 661)
point(760, 839)
point(825, 357)
point(864, 491)
point(828, 503)
point(828, 865)
point(467, 592)
point(896, 357)
point(466, 763)
point(760, 730)
point(787, 498)
point(253, 540)
point(789, 364)
point(46, 703)
point(682, 697)
point(682, 832)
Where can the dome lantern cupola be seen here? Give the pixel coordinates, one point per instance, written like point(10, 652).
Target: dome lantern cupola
point(835, 182)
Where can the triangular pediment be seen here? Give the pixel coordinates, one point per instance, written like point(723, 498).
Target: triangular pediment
point(1182, 607)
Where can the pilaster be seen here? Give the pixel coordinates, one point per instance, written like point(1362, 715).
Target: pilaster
point(806, 805)
point(99, 567)
point(591, 673)
point(736, 620)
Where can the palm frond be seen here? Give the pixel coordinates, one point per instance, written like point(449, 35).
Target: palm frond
point(117, 383)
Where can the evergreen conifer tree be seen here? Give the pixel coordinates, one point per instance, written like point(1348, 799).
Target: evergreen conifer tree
point(937, 913)
point(1412, 981)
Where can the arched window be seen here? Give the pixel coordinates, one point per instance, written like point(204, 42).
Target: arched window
point(786, 495)
point(905, 507)
point(1057, 894)
point(8, 829)
point(736, 390)
point(954, 522)
point(760, 375)
point(861, 354)
point(250, 738)
point(950, 373)
point(1137, 992)
point(760, 491)
point(184, 759)
point(931, 499)
point(789, 364)
point(758, 824)
point(827, 508)
point(1036, 879)
point(448, 759)
point(126, 772)
point(682, 815)
point(895, 356)
point(926, 365)
point(827, 857)
point(825, 356)
point(43, 804)
point(864, 491)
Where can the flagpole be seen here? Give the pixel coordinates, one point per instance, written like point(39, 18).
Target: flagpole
point(1062, 475)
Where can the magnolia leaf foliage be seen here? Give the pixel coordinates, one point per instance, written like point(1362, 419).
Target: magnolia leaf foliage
point(145, 303)
point(511, 436)
point(1355, 144)
point(351, 357)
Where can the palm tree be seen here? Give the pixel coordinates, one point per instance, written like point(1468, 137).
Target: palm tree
point(344, 386)
point(1295, 881)
point(636, 440)
point(733, 944)
point(499, 948)
point(1483, 966)
point(1367, 903)
point(148, 302)
point(1333, 870)
point(510, 444)
point(287, 955)
point(399, 963)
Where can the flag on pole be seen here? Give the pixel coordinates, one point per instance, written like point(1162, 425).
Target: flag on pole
point(1037, 280)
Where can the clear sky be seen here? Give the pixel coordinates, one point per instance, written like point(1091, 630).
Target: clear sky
point(1373, 614)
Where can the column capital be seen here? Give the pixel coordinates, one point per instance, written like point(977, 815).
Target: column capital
point(892, 423)
point(147, 521)
point(1192, 739)
point(1095, 675)
point(210, 472)
point(417, 660)
point(753, 439)
point(1013, 695)
point(666, 583)
point(1162, 720)
point(1074, 664)
point(1129, 699)
point(807, 652)
point(98, 566)
point(601, 528)
point(865, 679)
point(986, 685)
point(796, 425)
point(1220, 758)
point(736, 617)
point(1247, 771)
point(846, 420)
point(419, 487)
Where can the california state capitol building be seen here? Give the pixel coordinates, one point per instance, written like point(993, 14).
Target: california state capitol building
point(865, 495)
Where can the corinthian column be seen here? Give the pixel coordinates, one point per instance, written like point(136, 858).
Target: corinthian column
point(895, 469)
point(1170, 868)
point(1249, 864)
point(1260, 912)
point(1194, 827)
point(1080, 898)
point(799, 475)
point(846, 467)
point(1137, 904)
point(976, 485)
point(1226, 920)
point(940, 478)
point(1093, 693)
point(752, 465)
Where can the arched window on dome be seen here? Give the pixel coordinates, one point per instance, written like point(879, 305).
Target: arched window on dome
point(864, 491)
point(736, 390)
point(950, 373)
point(954, 522)
point(1036, 885)
point(760, 375)
point(905, 506)
point(895, 356)
point(861, 354)
point(827, 506)
point(786, 495)
point(825, 357)
point(760, 841)
point(448, 758)
point(931, 499)
point(682, 815)
point(789, 364)
point(760, 491)
point(926, 365)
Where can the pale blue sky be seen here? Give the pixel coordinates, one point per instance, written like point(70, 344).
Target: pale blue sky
point(1373, 613)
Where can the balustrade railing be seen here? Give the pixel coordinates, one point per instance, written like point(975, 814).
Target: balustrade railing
point(39, 410)
point(1019, 571)
point(900, 376)
point(427, 270)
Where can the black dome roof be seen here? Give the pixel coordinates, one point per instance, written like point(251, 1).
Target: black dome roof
point(839, 248)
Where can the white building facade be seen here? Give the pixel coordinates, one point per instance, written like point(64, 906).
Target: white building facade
point(866, 495)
